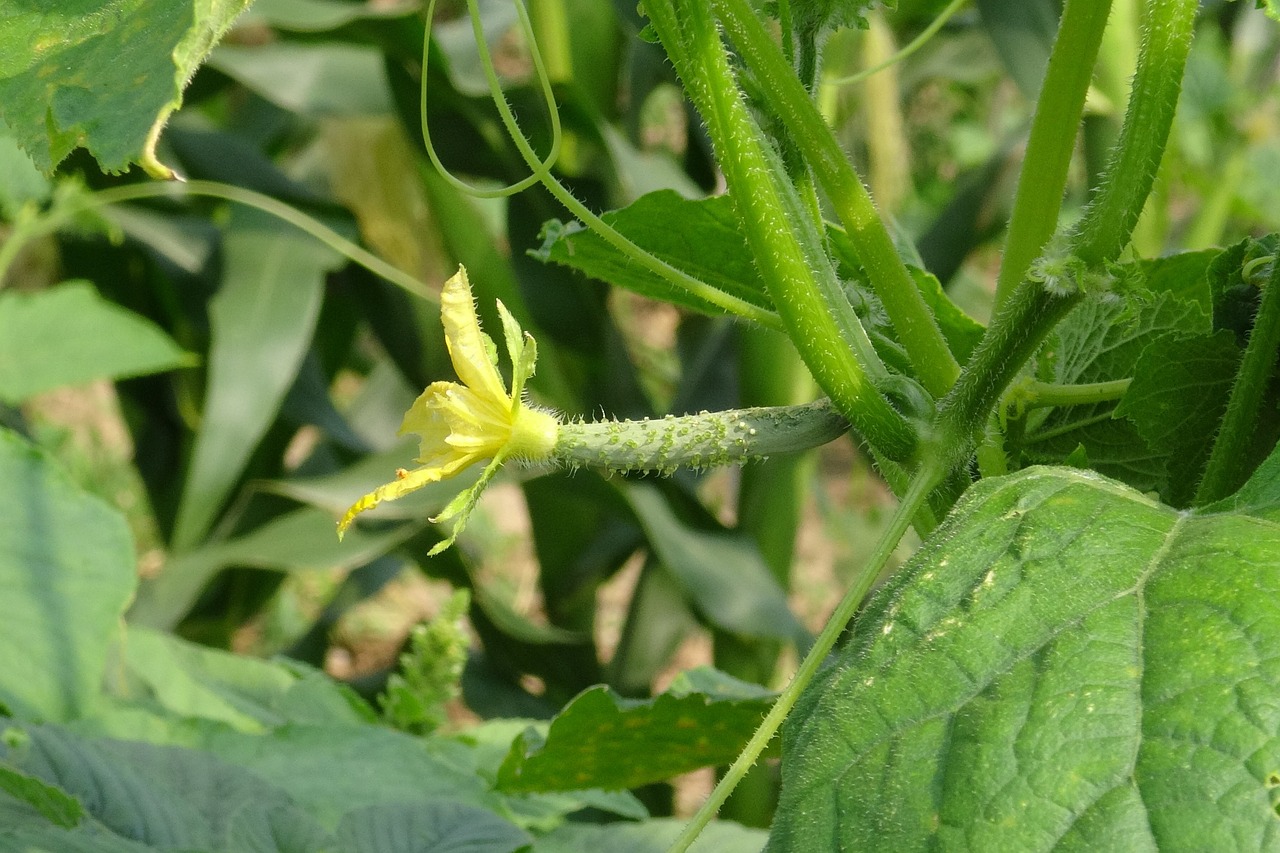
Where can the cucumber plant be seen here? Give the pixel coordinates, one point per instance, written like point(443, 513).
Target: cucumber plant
point(1082, 652)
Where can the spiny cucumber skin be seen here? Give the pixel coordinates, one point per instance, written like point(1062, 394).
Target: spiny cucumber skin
point(704, 440)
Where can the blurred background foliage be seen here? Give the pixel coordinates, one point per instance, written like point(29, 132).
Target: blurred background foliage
point(250, 380)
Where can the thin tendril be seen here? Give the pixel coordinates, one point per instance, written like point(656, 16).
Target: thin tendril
point(540, 172)
point(915, 498)
point(541, 167)
point(57, 218)
point(915, 44)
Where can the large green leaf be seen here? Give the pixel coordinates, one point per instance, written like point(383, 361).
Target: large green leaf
point(1065, 665)
point(67, 335)
point(102, 75)
point(66, 572)
point(439, 826)
point(165, 797)
point(333, 770)
point(1102, 341)
point(252, 695)
point(1179, 392)
point(650, 836)
point(601, 740)
point(262, 319)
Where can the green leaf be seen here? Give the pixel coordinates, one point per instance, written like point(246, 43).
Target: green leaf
point(1067, 665)
point(698, 237)
point(20, 180)
point(1183, 276)
point(52, 804)
point(1235, 299)
point(601, 740)
point(721, 571)
point(1179, 392)
point(1260, 496)
point(650, 836)
point(66, 573)
point(167, 797)
point(303, 540)
point(68, 335)
point(1102, 341)
point(78, 73)
point(487, 747)
point(249, 694)
point(436, 825)
point(262, 320)
point(332, 770)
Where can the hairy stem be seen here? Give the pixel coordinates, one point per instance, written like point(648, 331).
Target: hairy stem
point(787, 98)
point(1052, 141)
point(1162, 58)
point(1228, 461)
point(921, 485)
point(1031, 310)
point(788, 247)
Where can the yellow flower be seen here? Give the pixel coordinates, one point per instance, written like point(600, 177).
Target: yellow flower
point(461, 424)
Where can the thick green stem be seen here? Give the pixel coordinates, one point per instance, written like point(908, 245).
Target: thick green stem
point(1020, 325)
point(1015, 332)
point(1031, 310)
point(922, 484)
point(1052, 141)
point(1114, 209)
point(787, 98)
point(1228, 462)
point(787, 246)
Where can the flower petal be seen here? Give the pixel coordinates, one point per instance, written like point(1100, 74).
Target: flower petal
point(405, 482)
point(425, 417)
point(469, 349)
